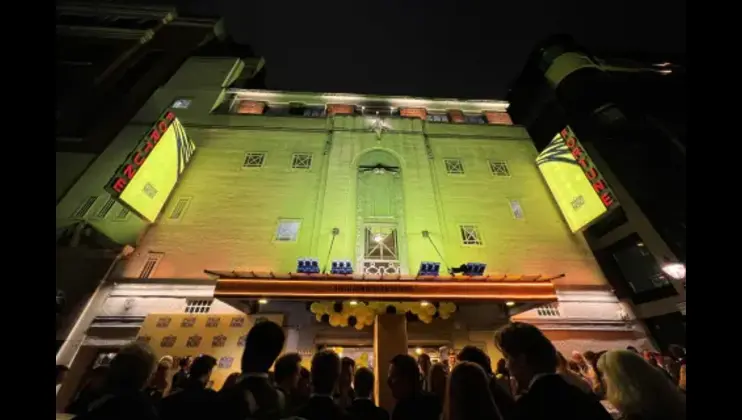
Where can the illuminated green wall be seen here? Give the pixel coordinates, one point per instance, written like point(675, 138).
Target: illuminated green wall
point(232, 213)
point(232, 217)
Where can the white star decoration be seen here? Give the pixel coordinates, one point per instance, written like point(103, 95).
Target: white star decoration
point(378, 126)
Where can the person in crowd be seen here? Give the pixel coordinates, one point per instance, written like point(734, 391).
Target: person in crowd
point(423, 360)
point(181, 376)
point(632, 349)
point(192, 401)
point(437, 379)
point(532, 360)
point(570, 376)
point(677, 354)
point(90, 392)
point(638, 390)
point(303, 387)
point(412, 402)
point(467, 396)
point(286, 374)
point(594, 375)
point(363, 406)
point(123, 392)
point(502, 398)
point(502, 376)
point(647, 355)
point(575, 367)
point(325, 375)
point(671, 367)
point(583, 365)
point(230, 381)
point(253, 395)
point(158, 385)
point(344, 394)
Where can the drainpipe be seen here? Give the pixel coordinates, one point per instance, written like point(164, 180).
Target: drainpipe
point(68, 350)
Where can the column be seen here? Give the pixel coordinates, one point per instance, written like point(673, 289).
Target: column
point(390, 339)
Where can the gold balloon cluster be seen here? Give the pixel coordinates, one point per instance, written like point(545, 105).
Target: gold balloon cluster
point(359, 314)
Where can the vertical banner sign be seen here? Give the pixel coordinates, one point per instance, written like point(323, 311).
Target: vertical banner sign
point(149, 174)
point(576, 184)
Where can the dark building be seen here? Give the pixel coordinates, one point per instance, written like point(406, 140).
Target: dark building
point(111, 57)
point(629, 114)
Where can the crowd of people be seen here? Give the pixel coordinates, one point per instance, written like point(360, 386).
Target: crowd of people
point(532, 381)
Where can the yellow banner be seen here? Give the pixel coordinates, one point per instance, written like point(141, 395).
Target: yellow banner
point(578, 188)
point(221, 336)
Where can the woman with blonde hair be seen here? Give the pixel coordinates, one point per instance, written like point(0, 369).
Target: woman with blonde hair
point(468, 396)
point(159, 383)
point(639, 390)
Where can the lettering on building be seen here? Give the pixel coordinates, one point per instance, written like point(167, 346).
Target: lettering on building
point(139, 156)
point(589, 169)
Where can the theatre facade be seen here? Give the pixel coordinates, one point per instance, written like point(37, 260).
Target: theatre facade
point(371, 224)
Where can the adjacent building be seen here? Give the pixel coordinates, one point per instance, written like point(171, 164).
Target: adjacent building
point(623, 120)
point(110, 58)
point(222, 194)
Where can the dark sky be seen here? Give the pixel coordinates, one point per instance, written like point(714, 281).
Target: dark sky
point(462, 48)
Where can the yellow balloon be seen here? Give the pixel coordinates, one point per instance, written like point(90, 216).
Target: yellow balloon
point(445, 315)
point(430, 310)
point(318, 317)
point(363, 360)
point(316, 307)
point(359, 326)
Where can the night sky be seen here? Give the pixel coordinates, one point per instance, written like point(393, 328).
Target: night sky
point(460, 49)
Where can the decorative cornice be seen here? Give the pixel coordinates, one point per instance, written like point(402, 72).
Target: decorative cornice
point(276, 97)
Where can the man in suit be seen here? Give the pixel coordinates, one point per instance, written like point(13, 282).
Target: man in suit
point(363, 407)
point(532, 360)
point(253, 395)
point(325, 375)
point(286, 375)
point(192, 400)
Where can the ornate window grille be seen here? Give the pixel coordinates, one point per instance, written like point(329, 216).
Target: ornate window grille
point(301, 161)
point(380, 251)
point(254, 160)
point(499, 168)
point(470, 235)
point(454, 166)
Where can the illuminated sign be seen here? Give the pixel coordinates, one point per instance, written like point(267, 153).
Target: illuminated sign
point(149, 174)
point(312, 288)
point(576, 184)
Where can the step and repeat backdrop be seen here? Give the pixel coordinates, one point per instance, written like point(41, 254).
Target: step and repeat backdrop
point(189, 335)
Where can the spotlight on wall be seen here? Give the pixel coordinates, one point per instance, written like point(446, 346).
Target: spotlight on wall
point(307, 266)
point(263, 301)
point(470, 269)
point(429, 268)
point(510, 303)
point(341, 267)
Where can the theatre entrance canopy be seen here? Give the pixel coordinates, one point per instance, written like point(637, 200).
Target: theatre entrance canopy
point(241, 286)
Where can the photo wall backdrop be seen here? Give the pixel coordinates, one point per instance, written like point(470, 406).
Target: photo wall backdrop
point(221, 336)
